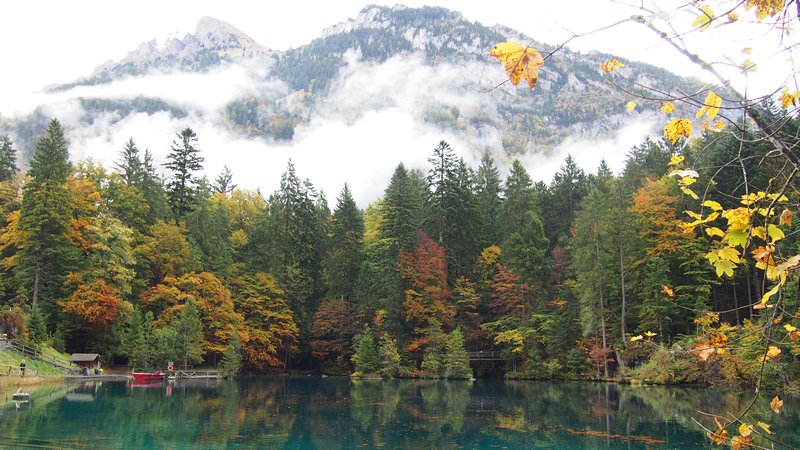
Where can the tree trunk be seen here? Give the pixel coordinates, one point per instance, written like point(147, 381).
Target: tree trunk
point(36, 280)
point(622, 288)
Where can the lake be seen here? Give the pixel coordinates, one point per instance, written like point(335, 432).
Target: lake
point(323, 413)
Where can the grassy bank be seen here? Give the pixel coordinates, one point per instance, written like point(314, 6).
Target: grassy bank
point(11, 360)
point(10, 384)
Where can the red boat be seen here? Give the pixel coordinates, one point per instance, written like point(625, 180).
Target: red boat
point(147, 376)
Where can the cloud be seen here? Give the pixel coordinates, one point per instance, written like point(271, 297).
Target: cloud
point(376, 116)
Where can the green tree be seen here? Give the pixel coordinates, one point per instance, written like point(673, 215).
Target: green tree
point(489, 202)
point(8, 159)
point(365, 356)
point(44, 217)
point(224, 184)
point(389, 356)
point(456, 359)
point(135, 340)
point(130, 165)
point(37, 326)
point(519, 199)
point(345, 254)
point(183, 161)
point(188, 329)
point(232, 358)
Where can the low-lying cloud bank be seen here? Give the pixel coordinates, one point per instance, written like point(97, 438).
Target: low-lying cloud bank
point(372, 120)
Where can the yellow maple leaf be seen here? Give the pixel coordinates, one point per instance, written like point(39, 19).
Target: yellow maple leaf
point(520, 62)
point(704, 19)
point(745, 429)
point(732, 17)
point(772, 352)
point(710, 106)
point(629, 106)
point(776, 404)
point(765, 8)
point(788, 99)
point(789, 327)
point(675, 160)
point(764, 427)
point(676, 128)
point(667, 290)
point(636, 338)
point(649, 334)
point(718, 437)
point(668, 107)
point(741, 442)
point(610, 65)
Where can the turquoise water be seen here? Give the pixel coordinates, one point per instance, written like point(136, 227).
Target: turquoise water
point(317, 413)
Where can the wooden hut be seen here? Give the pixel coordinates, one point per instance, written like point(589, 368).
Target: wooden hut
point(88, 362)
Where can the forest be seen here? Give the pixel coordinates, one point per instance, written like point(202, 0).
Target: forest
point(592, 276)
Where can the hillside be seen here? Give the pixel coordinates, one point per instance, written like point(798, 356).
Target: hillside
point(430, 62)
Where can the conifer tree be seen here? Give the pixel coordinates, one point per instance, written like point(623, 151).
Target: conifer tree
point(183, 161)
point(224, 184)
point(43, 220)
point(37, 326)
point(8, 158)
point(130, 165)
point(345, 253)
point(390, 357)
point(366, 357)
point(489, 203)
point(232, 358)
point(456, 359)
point(189, 334)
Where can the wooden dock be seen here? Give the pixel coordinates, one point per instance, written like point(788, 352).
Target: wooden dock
point(195, 374)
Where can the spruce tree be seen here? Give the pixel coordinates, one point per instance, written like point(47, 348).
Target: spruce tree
point(390, 357)
point(224, 184)
point(489, 203)
point(8, 158)
point(345, 253)
point(37, 326)
point(232, 358)
point(189, 334)
point(456, 359)
point(183, 161)
point(366, 357)
point(130, 165)
point(44, 215)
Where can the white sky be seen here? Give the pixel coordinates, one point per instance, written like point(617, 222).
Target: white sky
point(56, 41)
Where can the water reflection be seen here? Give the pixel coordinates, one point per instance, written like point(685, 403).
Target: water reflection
point(311, 413)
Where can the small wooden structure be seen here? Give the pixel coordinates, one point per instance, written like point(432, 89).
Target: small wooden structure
point(88, 362)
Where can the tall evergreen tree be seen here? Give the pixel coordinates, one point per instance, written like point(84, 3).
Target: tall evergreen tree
point(345, 253)
point(8, 158)
point(189, 334)
point(183, 161)
point(130, 164)
point(43, 221)
point(519, 199)
point(224, 184)
point(152, 188)
point(570, 185)
point(456, 359)
point(441, 178)
point(489, 202)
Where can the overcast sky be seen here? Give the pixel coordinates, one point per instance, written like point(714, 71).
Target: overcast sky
point(51, 42)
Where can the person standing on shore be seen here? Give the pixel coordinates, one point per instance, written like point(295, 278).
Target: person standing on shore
point(22, 369)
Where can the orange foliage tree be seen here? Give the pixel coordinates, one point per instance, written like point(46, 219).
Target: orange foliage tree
point(428, 297)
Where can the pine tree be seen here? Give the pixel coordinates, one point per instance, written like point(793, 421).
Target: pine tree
point(390, 358)
point(130, 164)
point(189, 334)
point(8, 158)
point(43, 220)
point(489, 203)
point(345, 253)
point(37, 326)
point(224, 184)
point(183, 161)
point(365, 355)
point(520, 199)
point(456, 359)
point(232, 358)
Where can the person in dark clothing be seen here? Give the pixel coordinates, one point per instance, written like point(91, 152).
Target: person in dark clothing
point(22, 368)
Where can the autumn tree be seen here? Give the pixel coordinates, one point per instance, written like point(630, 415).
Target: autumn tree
point(269, 330)
point(333, 330)
point(427, 299)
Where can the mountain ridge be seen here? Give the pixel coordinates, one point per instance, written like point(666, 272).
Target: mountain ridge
point(573, 98)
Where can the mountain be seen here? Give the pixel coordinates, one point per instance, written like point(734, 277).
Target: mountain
point(429, 61)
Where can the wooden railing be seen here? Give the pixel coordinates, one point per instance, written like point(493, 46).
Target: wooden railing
point(7, 370)
point(34, 353)
point(484, 356)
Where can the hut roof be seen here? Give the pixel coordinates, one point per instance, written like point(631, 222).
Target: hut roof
point(83, 357)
